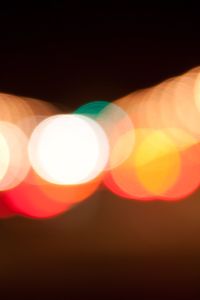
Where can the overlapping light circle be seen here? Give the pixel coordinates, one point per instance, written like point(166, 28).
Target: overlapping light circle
point(28, 200)
point(68, 149)
point(116, 123)
point(14, 158)
point(4, 156)
point(144, 146)
point(151, 169)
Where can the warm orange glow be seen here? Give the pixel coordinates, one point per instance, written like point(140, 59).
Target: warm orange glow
point(144, 146)
point(115, 189)
point(184, 104)
point(157, 163)
point(125, 176)
point(38, 110)
point(68, 194)
point(4, 156)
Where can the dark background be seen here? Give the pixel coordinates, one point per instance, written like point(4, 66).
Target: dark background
point(70, 55)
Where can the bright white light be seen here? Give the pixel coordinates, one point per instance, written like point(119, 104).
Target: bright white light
point(68, 149)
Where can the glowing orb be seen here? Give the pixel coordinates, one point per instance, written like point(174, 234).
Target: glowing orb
point(68, 149)
point(28, 200)
point(37, 198)
point(123, 180)
point(116, 123)
point(150, 171)
point(4, 156)
point(5, 210)
point(157, 162)
point(92, 109)
point(14, 161)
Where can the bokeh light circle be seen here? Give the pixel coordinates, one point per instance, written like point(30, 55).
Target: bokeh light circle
point(28, 200)
point(116, 123)
point(68, 149)
point(19, 165)
point(4, 156)
point(157, 163)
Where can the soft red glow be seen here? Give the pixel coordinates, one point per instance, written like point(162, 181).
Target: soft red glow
point(28, 200)
point(39, 199)
point(5, 210)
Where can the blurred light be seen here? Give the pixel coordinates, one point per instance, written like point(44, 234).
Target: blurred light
point(5, 210)
point(113, 187)
point(151, 170)
point(92, 109)
point(68, 149)
point(15, 163)
point(184, 104)
point(69, 194)
point(37, 198)
point(116, 123)
point(125, 176)
point(28, 200)
point(189, 178)
point(38, 111)
point(144, 146)
point(133, 105)
point(4, 156)
point(157, 162)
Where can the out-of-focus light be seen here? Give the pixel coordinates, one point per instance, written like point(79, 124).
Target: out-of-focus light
point(4, 156)
point(152, 168)
point(13, 156)
point(189, 178)
point(92, 109)
point(5, 210)
point(184, 104)
point(68, 149)
point(197, 91)
point(116, 123)
point(157, 113)
point(69, 194)
point(36, 198)
point(124, 180)
point(28, 200)
point(111, 185)
point(24, 112)
point(38, 110)
point(157, 163)
point(134, 104)
point(145, 146)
